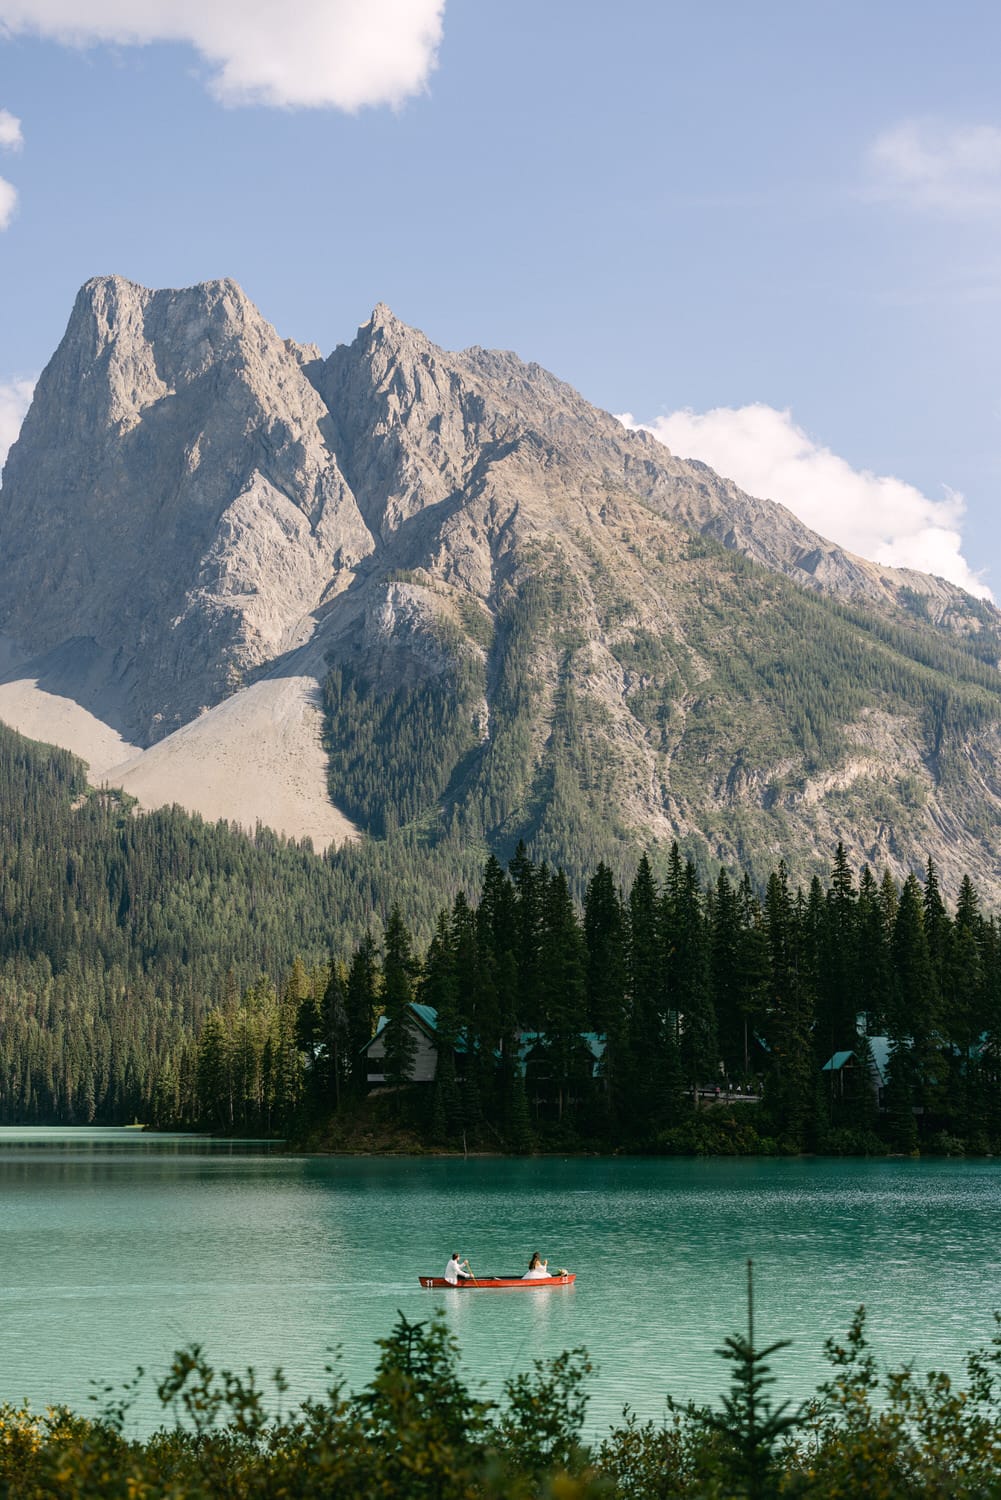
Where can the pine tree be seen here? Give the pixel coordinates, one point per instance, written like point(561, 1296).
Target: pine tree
point(753, 969)
point(606, 941)
point(873, 949)
point(652, 1069)
point(564, 989)
point(967, 1020)
point(360, 1001)
point(334, 1032)
point(528, 922)
point(792, 1090)
point(287, 1057)
point(439, 990)
point(497, 944)
point(899, 1097)
point(398, 968)
point(837, 970)
point(914, 1009)
point(937, 927)
point(213, 1072)
point(688, 977)
point(724, 972)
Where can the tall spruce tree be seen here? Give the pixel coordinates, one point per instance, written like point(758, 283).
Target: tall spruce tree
point(439, 990)
point(360, 998)
point(791, 1093)
point(527, 883)
point(652, 1067)
point(837, 972)
point(335, 1034)
point(873, 955)
point(754, 969)
point(564, 991)
point(606, 940)
point(724, 972)
point(914, 1011)
point(478, 1011)
point(689, 984)
point(398, 970)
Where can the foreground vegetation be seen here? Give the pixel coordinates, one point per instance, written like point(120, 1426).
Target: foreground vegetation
point(418, 1431)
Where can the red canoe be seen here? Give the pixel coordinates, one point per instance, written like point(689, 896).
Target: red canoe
point(489, 1282)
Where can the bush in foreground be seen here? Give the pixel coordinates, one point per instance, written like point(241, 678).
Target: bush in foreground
point(417, 1433)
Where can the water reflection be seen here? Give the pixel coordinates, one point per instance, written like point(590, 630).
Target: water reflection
point(116, 1248)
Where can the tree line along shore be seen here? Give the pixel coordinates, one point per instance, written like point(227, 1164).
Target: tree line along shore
point(154, 968)
point(860, 1017)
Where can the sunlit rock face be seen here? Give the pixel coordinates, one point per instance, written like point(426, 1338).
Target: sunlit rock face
point(196, 506)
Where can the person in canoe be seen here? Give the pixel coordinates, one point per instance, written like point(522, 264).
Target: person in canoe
point(537, 1267)
point(457, 1270)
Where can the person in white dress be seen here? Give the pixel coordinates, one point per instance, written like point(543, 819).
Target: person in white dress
point(537, 1267)
point(457, 1270)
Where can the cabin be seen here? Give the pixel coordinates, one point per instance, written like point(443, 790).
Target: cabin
point(422, 1022)
point(548, 1095)
point(533, 1055)
point(843, 1068)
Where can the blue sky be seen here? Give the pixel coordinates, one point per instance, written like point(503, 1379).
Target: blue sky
point(769, 231)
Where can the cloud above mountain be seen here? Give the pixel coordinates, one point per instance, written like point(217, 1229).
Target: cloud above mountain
point(929, 165)
point(15, 398)
point(8, 202)
point(326, 53)
point(11, 139)
point(876, 516)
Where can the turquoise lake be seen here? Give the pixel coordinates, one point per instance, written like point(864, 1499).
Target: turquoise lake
point(118, 1248)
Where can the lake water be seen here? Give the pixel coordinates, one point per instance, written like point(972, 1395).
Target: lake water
point(118, 1248)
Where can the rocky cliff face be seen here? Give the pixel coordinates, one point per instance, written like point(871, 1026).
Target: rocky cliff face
point(173, 496)
point(195, 504)
point(189, 489)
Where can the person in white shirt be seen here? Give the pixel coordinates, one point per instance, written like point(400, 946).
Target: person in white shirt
point(454, 1272)
point(536, 1267)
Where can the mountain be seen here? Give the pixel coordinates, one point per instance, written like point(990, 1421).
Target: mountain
point(402, 588)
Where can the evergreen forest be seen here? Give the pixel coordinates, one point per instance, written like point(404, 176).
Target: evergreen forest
point(157, 969)
point(732, 723)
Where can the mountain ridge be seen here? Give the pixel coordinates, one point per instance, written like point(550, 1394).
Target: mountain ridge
point(570, 616)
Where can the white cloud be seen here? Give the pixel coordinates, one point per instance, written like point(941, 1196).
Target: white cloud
point(8, 202)
point(292, 53)
point(11, 138)
point(875, 516)
point(15, 398)
point(927, 164)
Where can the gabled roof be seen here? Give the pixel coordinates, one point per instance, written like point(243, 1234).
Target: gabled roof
point(879, 1046)
point(879, 1052)
point(426, 1018)
point(593, 1041)
point(425, 1013)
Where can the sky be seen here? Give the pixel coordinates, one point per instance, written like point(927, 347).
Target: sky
point(769, 232)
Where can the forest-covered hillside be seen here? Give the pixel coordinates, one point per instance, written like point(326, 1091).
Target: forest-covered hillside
point(736, 714)
point(156, 968)
point(119, 931)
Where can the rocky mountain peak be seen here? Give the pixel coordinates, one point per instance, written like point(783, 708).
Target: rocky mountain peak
point(173, 494)
point(385, 324)
point(197, 508)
